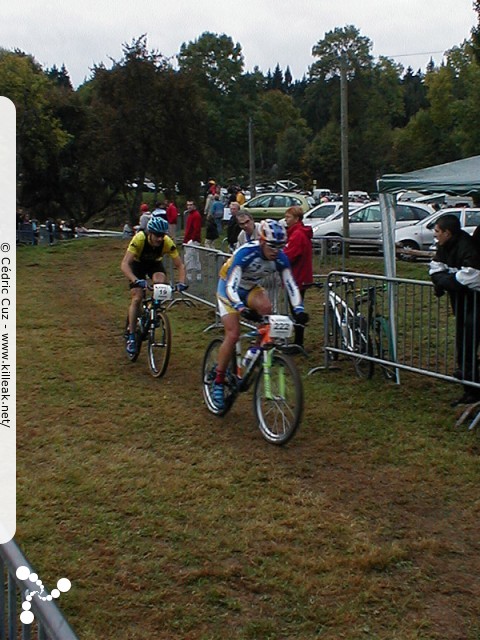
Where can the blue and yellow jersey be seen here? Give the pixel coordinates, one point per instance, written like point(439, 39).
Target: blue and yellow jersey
point(246, 269)
point(144, 252)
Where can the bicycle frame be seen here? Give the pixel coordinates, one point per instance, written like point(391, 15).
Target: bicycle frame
point(343, 315)
point(363, 330)
point(266, 344)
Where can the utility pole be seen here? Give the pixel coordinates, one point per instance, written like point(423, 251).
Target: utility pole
point(251, 155)
point(344, 147)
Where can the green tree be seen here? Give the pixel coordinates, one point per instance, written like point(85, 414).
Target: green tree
point(476, 32)
point(214, 64)
point(275, 114)
point(40, 135)
point(414, 94)
point(341, 42)
point(213, 60)
point(291, 150)
point(143, 119)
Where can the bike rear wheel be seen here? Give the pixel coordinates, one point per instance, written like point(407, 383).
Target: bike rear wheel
point(362, 344)
point(209, 372)
point(384, 347)
point(159, 345)
point(278, 399)
point(138, 340)
point(333, 332)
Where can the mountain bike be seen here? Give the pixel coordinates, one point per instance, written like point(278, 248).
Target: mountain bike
point(358, 331)
point(153, 327)
point(346, 328)
point(277, 385)
point(379, 328)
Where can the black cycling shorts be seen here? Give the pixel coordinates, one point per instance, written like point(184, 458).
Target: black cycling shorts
point(144, 269)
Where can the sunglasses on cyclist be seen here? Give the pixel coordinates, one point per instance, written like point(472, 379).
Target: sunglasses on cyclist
point(275, 245)
point(157, 234)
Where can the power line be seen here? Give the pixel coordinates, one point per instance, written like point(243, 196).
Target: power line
point(421, 53)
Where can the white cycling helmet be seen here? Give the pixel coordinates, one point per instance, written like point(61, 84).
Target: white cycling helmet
point(273, 234)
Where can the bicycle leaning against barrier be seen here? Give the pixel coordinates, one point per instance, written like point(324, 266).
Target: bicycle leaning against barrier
point(362, 333)
point(277, 385)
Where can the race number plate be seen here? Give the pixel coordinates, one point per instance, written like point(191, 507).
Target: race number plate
point(162, 292)
point(280, 326)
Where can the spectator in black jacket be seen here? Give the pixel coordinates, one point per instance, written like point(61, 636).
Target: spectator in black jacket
point(456, 269)
point(233, 228)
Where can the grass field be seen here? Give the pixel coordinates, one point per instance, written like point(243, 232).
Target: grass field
point(172, 524)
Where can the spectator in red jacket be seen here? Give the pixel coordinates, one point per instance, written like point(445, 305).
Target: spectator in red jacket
point(193, 225)
point(192, 239)
point(299, 252)
point(172, 217)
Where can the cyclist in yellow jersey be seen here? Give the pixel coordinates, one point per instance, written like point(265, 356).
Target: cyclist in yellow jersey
point(144, 257)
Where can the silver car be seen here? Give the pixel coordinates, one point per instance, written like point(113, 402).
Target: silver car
point(420, 235)
point(366, 221)
point(321, 212)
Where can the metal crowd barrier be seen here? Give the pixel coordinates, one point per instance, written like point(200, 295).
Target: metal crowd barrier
point(422, 336)
point(49, 623)
point(202, 276)
point(422, 326)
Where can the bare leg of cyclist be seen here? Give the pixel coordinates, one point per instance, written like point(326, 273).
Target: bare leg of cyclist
point(134, 308)
point(231, 325)
point(259, 301)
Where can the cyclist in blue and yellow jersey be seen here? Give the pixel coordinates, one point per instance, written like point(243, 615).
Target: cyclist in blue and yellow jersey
point(239, 290)
point(144, 257)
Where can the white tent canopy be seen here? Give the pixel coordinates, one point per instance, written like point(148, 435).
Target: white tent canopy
point(459, 177)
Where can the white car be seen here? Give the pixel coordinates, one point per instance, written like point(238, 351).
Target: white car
point(420, 236)
point(325, 210)
point(366, 221)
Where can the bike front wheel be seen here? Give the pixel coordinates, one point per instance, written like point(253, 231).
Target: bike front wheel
point(278, 399)
point(159, 345)
point(362, 344)
point(209, 372)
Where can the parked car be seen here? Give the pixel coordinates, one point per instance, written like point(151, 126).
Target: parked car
point(366, 221)
point(420, 236)
point(274, 205)
point(326, 210)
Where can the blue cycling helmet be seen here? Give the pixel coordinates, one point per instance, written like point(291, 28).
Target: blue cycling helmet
point(157, 225)
point(273, 234)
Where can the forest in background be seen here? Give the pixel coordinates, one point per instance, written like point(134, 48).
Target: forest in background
point(178, 123)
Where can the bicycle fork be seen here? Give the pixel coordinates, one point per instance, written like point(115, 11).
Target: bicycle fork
point(267, 377)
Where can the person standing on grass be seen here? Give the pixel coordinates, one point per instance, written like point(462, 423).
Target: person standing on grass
point(233, 230)
point(250, 230)
point(145, 215)
point(217, 210)
point(299, 251)
point(211, 231)
point(456, 269)
point(191, 240)
point(172, 217)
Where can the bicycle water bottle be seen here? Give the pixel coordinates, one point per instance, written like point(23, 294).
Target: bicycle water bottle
point(248, 363)
point(250, 357)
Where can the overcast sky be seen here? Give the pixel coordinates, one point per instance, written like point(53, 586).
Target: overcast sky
point(82, 33)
